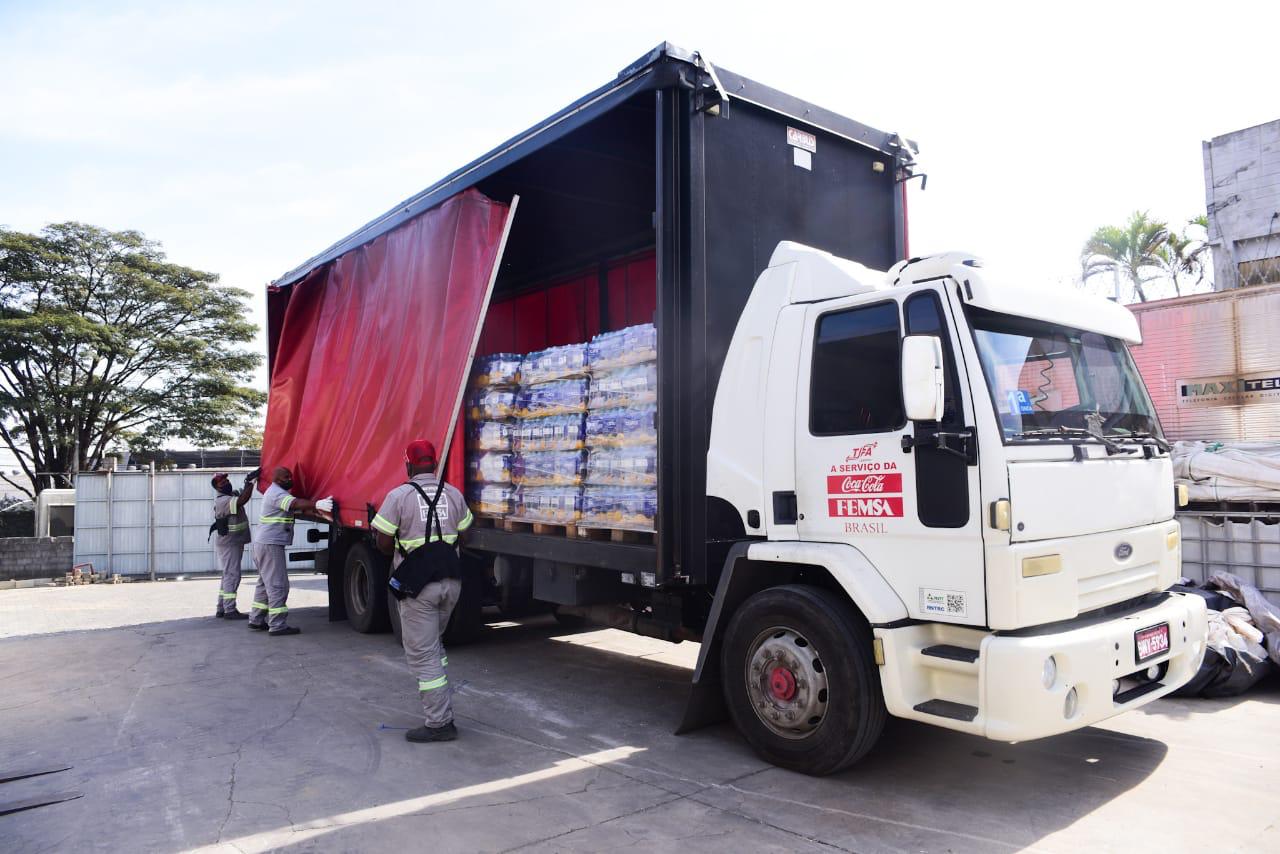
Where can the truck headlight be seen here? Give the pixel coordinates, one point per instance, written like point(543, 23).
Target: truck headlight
point(1071, 704)
point(1050, 673)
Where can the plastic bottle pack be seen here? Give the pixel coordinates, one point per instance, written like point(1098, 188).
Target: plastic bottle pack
point(554, 433)
point(491, 499)
point(615, 428)
point(489, 435)
point(635, 465)
point(634, 385)
point(491, 404)
point(623, 347)
point(498, 369)
point(557, 504)
point(560, 397)
point(490, 467)
point(554, 363)
point(614, 507)
point(549, 468)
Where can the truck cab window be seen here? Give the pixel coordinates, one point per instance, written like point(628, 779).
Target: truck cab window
point(854, 386)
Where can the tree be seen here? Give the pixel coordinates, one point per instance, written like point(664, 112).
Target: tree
point(1126, 251)
point(103, 342)
point(1183, 254)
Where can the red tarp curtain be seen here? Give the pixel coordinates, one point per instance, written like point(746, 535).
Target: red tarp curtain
point(373, 350)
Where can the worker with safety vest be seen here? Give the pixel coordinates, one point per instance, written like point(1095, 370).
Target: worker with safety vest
point(231, 526)
point(412, 515)
point(275, 532)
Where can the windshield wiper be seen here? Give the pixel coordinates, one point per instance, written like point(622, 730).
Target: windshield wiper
point(1139, 435)
point(1068, 432)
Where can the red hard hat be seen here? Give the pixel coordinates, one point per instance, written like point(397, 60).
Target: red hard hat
point(420, 452)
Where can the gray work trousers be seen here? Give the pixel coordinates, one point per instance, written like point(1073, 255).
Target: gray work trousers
point(422, 620)
point(228, 551)
point(272, 593)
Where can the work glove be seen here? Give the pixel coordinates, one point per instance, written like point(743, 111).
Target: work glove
point(325, 504)
point(253, 475)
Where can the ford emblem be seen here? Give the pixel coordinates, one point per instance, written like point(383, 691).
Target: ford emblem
point(1124, 551)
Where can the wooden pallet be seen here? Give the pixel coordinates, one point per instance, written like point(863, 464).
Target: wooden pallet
point(545, 529)
point(550, 529)
point(616, 535)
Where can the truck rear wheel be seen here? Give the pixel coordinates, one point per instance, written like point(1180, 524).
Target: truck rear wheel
point(800, 679)
point(365, 589)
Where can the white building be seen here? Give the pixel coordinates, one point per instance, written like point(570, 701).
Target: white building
point(1242, 196)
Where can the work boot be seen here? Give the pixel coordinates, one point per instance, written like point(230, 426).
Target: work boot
point(424, 734)
point(218, 615)
point(287, 630)
point(258, 627)
point(234, 615)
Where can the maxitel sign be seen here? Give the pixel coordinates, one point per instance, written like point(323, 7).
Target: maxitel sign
point(1226, 391)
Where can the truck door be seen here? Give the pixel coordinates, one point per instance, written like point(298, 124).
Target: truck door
point(867, 477)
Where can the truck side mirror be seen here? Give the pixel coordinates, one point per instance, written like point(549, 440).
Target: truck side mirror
point(922, 377)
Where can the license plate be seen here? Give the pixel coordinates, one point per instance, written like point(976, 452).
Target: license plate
point(1151, 642)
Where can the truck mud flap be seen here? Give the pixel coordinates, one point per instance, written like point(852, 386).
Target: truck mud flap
point(706, 705)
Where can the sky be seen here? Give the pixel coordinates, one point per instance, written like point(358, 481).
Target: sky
point(247, 136)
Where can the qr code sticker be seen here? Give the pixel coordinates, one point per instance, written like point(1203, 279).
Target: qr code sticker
point(948, 603)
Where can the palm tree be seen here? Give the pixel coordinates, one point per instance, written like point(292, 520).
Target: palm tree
point(1126, 251)
point(1183, 254)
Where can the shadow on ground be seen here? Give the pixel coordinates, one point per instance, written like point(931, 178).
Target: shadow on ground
point(196, 732)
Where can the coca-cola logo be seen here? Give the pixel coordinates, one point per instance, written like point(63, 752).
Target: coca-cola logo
point(864, 484)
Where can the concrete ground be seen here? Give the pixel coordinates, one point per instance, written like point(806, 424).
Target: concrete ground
point(187, 732)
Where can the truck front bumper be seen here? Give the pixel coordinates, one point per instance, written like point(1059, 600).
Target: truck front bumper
point(1095, 671)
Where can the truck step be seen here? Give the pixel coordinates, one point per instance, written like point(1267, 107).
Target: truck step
point(951, 653)
point(948, 709)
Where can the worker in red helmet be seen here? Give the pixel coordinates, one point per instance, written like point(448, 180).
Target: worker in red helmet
point(231, 525)
point(419, 525)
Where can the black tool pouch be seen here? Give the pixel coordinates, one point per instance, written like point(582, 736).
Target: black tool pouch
point(434, 560)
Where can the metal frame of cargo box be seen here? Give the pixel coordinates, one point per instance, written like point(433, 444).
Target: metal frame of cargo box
point(715, 131)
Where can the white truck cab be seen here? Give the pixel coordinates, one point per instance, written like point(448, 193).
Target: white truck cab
point(980, 469)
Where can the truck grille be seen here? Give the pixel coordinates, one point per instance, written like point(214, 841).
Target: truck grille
point(1109, 586)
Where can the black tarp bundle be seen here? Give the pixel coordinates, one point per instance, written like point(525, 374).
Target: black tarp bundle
point(1234, 661)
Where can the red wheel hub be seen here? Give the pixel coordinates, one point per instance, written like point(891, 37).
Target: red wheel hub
point(782, 684)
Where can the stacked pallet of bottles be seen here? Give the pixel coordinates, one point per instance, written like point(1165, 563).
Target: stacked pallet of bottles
point(549, 436)
point(491, 409)
point(621, 478)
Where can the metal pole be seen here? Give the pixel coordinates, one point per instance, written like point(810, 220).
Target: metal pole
point(111, 534)
point(151, 519)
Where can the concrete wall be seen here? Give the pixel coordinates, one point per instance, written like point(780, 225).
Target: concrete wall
point(35, 557)
point(1242, 197)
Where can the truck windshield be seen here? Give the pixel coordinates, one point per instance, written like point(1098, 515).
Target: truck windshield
point(1047, 379)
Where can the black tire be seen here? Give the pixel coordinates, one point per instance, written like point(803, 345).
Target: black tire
point(825, 631)
point(364, 589)
point(467, 620)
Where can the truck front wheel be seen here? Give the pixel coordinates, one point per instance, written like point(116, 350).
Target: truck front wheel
point(365, 589)
point(800, 679)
